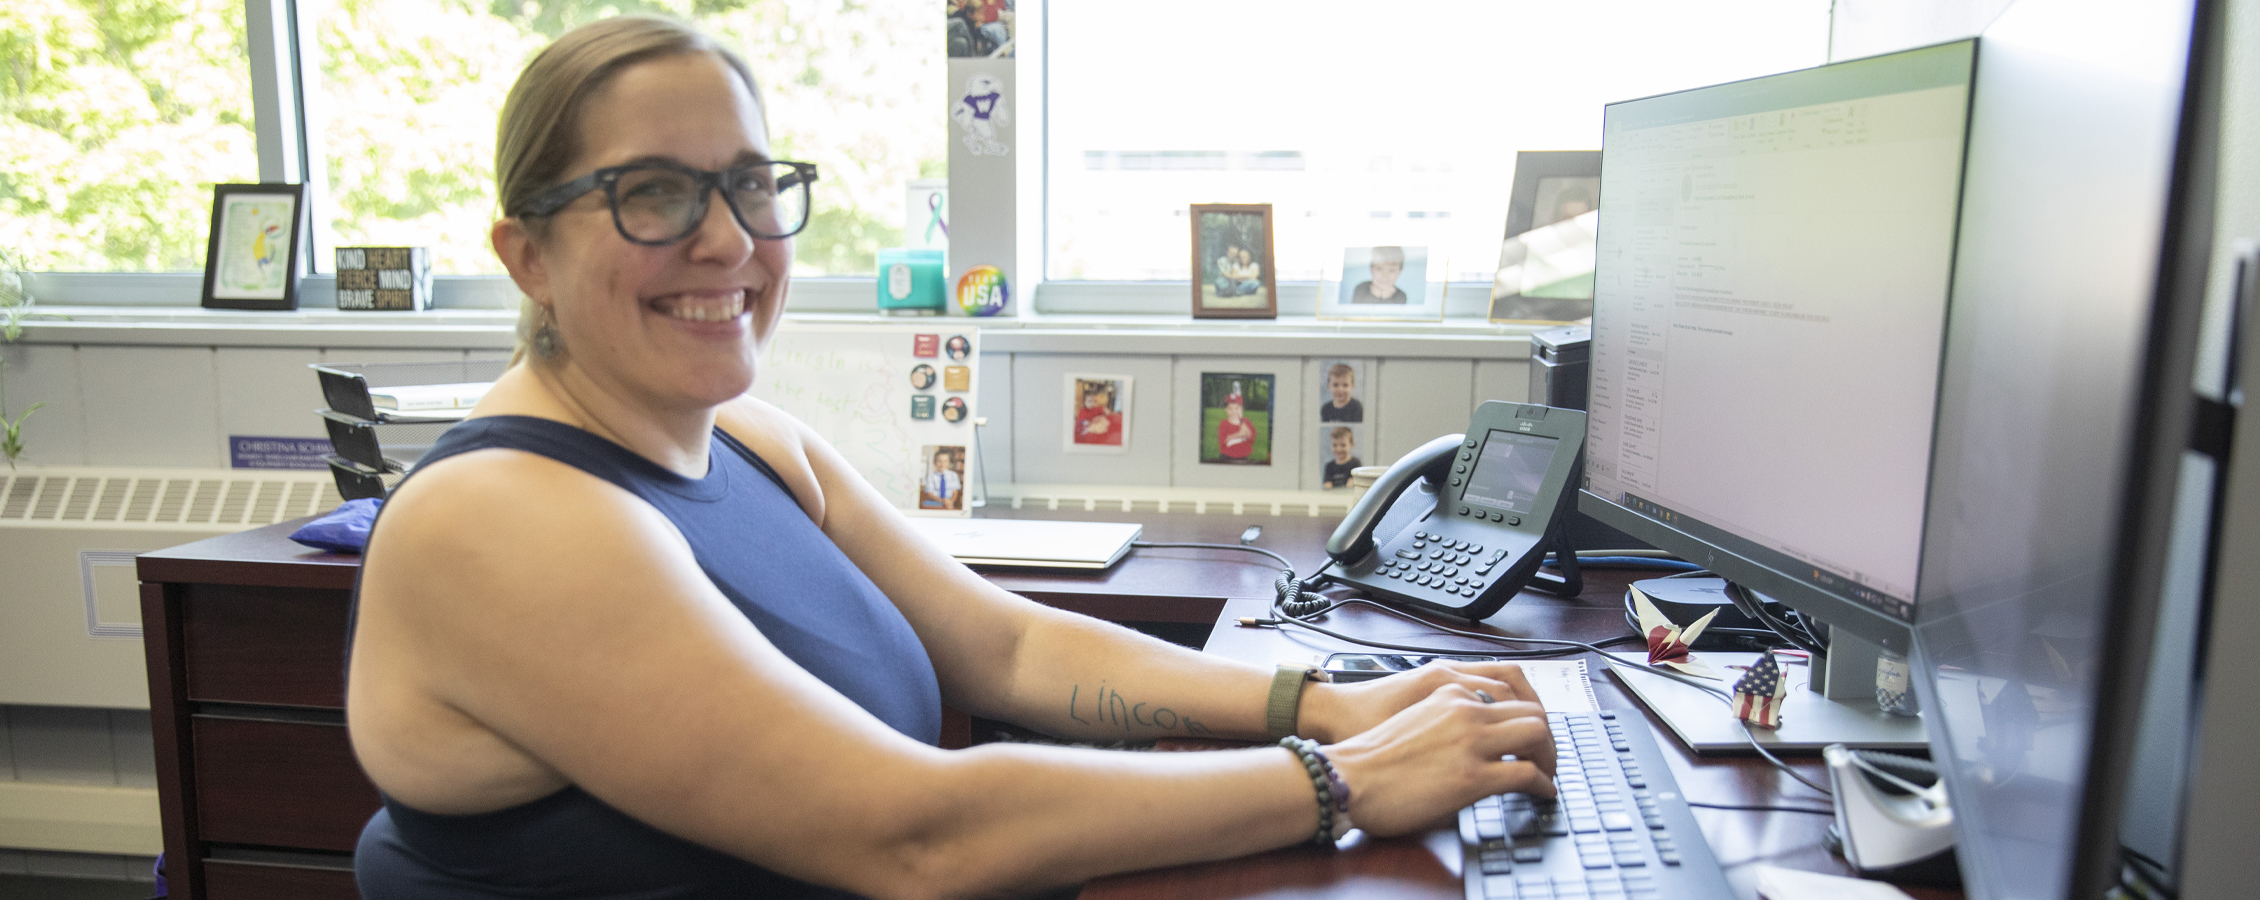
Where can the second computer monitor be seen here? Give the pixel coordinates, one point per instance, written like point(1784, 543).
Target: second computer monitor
point(1769, 306)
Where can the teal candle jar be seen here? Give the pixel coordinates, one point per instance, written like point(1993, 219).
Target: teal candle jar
point(911, 283)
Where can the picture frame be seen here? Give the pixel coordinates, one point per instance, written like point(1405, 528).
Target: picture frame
point(1549, 186)
point(1232, 231)
point(1348, 294)
point(252, 256)
point(1096, 413)
point(1235, 418)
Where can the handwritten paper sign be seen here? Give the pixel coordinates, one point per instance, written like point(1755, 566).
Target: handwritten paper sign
point(856, 385)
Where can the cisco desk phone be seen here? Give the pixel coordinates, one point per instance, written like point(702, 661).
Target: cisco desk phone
point(1463, 523)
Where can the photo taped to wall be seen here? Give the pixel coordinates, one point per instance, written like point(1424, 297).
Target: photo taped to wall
point(1341, 390)
point(943, 484)
point(1097, 413)
point(1235, 424)
point(1340, 449)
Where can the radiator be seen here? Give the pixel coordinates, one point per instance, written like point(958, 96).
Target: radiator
point(70, 604)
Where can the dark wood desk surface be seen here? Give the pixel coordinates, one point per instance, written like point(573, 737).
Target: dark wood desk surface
point(1218, 586)
point(1429, 867)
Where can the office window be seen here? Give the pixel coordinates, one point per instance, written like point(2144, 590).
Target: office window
point(1362, 123)
point(411, 90)
point(115, 121)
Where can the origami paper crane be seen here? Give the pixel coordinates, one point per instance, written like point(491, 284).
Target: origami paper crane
point(1759, 693)
point(1668, 644)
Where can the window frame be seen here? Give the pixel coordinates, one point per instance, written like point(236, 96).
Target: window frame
point(284, 59)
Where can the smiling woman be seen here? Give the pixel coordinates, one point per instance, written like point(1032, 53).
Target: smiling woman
point(628, 632)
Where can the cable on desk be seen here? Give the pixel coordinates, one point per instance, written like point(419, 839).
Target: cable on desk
point(1293, 603)
point(1628, 559)
point(1290, 594)
point(1797, 633)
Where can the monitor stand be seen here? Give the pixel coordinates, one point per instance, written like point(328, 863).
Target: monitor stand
point(1810, 719)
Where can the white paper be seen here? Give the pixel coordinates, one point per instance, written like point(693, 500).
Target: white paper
point(1562, 684)
point(417, 397)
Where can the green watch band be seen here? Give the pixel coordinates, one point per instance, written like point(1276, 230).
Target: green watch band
point(1286, 700)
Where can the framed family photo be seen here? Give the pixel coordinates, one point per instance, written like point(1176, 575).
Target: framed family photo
point(1233, 273)
point(251, 261)
point(1388, 283)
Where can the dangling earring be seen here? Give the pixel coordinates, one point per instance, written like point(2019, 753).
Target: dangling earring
point(545, 335)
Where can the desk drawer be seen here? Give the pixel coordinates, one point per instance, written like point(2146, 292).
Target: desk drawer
point(265, 645)
point(232, 880)
point(279, 784)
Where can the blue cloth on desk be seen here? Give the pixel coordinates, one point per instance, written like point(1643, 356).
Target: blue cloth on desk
point(344, 530)
point(762, 552)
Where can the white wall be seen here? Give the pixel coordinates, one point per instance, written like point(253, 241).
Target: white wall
point(1860, 28)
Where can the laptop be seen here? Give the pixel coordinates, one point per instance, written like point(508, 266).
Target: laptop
point(1030, 543)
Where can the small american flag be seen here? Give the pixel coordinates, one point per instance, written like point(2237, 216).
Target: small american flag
point(1758, 693)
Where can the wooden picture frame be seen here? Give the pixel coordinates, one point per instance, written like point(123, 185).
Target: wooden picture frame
point(249, 260)
point(1222, 228)
point(1535, 170)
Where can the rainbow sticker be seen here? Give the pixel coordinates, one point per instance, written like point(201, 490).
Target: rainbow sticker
point(981, 291)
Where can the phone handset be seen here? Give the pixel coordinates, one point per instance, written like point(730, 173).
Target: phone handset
point(1353, 539)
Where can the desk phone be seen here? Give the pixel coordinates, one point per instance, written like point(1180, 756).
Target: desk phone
point(1462, 524)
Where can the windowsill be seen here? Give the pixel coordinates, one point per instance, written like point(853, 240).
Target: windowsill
point(1094, 321)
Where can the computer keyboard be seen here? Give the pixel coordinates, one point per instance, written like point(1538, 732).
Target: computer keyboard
point(1618, 831)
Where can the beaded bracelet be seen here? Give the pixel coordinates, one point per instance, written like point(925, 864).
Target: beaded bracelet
point(1333, 793)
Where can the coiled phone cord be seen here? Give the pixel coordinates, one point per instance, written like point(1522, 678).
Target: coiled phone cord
point(1291, 595)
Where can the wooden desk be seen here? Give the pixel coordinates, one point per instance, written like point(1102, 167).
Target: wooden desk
point(1427, 866)
point(258, 789)
point(261, 796)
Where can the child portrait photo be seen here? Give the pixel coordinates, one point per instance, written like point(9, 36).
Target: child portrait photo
point(1232, 264)
point(1341, 390)
point(1387, 282)
point(1236, 418)
point(1098, 413)
point(1394, 275)
point(1339, 453)
point(943, 484)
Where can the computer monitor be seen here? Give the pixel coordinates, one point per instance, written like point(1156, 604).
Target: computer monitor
point(1769, 306)
point(2064, 414)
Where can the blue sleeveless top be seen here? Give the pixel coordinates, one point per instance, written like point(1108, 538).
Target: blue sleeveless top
point(759, 548)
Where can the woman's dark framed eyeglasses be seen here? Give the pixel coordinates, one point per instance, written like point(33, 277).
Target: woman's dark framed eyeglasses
point(657, 203)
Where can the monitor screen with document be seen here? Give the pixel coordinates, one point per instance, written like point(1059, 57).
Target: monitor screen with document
point(1769, 306)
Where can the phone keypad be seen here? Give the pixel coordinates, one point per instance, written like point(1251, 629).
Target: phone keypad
point(1439, 567)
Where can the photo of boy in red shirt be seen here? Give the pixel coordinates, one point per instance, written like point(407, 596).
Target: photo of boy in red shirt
point(1099, 414)
point(1236, 418)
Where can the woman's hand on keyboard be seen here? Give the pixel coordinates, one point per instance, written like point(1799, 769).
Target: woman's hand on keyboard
point(1443, 753)
point(1335, 712)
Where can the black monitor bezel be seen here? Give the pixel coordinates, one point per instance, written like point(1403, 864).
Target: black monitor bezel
point(1859, 619)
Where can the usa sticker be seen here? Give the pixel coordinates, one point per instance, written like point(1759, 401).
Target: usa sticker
point(981, 291)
